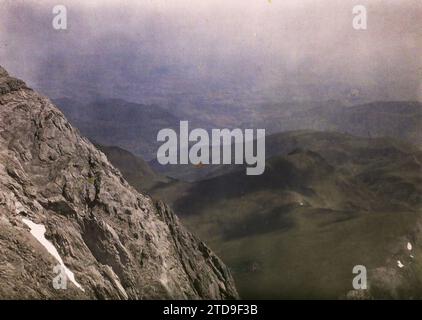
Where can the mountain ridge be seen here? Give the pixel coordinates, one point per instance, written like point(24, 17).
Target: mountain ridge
point(119, 244)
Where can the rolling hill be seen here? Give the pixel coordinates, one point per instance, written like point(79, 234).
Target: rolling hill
point(326, 202)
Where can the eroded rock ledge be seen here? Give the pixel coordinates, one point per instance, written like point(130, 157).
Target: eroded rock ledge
point(118, 243)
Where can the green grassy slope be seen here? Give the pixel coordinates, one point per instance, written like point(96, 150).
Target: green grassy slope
point(326, 202)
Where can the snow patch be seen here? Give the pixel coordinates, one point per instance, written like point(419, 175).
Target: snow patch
point(38, 231)
point(399, 264)
point(409, 246)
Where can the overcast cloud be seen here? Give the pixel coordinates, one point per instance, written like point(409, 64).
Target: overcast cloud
point(152, 50)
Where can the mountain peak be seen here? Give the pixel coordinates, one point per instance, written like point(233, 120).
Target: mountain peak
point(3, 72)
point(9, 84)
point(112, 241)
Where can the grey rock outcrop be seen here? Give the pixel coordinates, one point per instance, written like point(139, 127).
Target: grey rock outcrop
point(118, 243)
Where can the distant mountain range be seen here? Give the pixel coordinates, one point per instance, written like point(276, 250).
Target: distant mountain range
point(134, 127)
point(396, 119)
point(115, 122)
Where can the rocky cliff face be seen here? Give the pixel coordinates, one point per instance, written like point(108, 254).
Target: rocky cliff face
point(63, 204)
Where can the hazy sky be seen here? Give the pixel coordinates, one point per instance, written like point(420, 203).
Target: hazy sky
point(150, 49)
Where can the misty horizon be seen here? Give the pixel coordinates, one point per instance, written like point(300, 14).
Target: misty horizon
point(215, 53)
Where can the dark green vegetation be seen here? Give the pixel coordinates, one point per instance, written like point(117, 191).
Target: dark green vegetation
point(326, 202)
